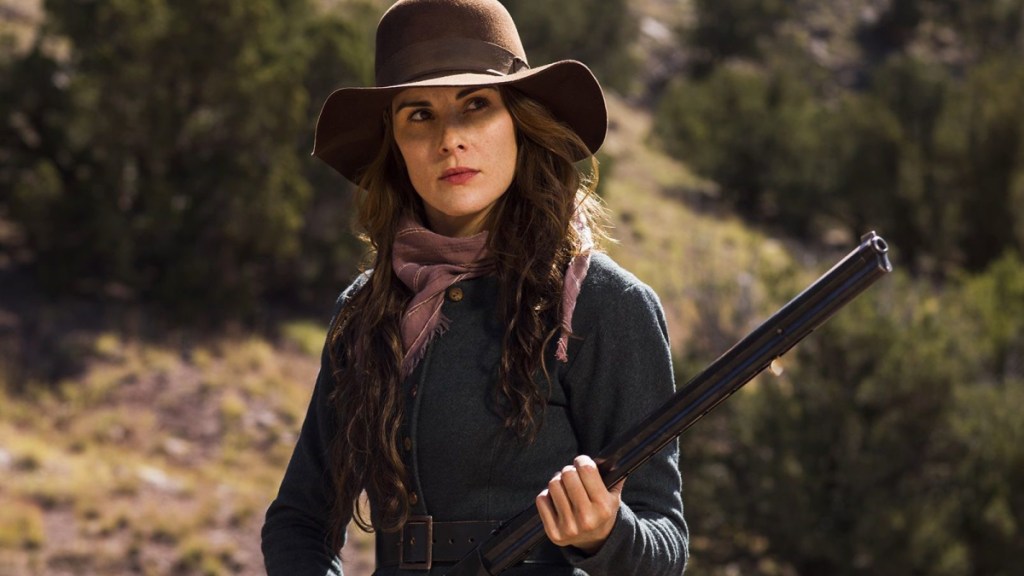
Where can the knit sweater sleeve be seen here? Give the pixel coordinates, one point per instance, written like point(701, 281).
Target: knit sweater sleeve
point(294, 533)
point(621, 373)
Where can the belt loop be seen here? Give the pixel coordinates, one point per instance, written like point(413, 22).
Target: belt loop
point(409, 540)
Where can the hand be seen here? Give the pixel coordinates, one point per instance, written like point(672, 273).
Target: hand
point(577, 509)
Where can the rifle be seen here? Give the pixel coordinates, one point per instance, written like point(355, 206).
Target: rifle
point(515, 538)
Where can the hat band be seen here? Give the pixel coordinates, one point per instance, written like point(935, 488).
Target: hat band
point(448, 54)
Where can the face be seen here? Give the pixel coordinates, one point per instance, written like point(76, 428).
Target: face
point(438, 129)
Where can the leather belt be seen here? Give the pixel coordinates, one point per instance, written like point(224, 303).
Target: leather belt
point(421, 542)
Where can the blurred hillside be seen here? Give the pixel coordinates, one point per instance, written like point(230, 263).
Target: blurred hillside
point(169, 250)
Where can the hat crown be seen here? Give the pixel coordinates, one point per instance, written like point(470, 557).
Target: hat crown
point(420, 37)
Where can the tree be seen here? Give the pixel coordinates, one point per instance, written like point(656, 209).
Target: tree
point(175, 163)
point(758, 133)
point(599, 33)
point(736, 28)
point(889, 447)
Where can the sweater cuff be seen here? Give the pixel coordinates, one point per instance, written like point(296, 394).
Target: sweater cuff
point(616, 547)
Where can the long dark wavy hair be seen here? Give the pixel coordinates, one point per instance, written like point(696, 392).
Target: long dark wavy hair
point(531, 240)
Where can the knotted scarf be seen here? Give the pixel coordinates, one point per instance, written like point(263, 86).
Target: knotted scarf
point(428, 263)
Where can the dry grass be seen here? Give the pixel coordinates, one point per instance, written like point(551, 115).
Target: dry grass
point(210, 556)
point(307, 336)
point(152, 461)
point(21, 525)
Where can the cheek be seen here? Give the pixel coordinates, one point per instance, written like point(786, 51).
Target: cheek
point(414, 155)
point(505, 149)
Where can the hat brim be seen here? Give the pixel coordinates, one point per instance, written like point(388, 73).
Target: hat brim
point(349, 131)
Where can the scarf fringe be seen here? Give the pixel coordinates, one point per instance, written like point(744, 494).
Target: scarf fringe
point(410, 362)
point(563, 347)
point(573, 282)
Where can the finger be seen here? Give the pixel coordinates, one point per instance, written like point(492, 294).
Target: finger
point(590, 476)
point(574, 487)
point(588, 512)
point(563, 508)
point(547, 516)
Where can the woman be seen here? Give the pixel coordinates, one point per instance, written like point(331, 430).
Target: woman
point(490, 348)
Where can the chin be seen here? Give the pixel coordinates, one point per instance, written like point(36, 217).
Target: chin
point(462, 209)
point(462, 213)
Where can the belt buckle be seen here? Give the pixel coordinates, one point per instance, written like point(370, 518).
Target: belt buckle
point(402, 564)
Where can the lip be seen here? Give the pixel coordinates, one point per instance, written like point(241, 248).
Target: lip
point(457, 170)
point(458, 175)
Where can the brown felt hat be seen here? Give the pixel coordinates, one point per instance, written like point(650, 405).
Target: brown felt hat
point(436, 43)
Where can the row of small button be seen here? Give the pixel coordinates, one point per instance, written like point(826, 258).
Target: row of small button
point(454, 294)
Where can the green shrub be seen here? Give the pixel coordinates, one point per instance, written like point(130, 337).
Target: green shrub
point(892, 439)
point(756, 133)
point(181, 173)
point(599, 33)
point(728, 28)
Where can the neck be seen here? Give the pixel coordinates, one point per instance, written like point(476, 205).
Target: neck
point(456, 226)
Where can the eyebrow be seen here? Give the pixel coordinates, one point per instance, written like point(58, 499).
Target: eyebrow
point(462, 94)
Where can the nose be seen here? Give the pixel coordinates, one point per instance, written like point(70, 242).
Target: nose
point(452, 139)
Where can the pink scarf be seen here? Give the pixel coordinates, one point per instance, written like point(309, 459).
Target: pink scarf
point(429, 263)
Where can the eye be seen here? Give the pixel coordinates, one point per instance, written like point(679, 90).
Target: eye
point(484, 103)
point(478, 104)
point(412, 116)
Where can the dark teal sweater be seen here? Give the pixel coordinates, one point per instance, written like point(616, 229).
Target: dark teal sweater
point(465, 466)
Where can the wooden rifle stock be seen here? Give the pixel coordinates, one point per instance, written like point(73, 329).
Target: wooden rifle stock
point(517, 537)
